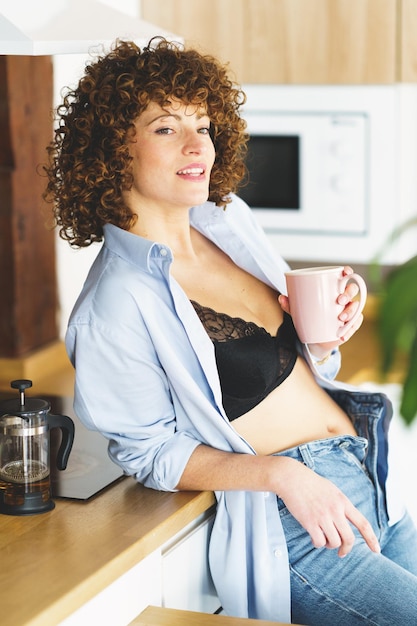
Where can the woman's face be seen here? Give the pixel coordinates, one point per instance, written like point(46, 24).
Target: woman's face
point(173, 155)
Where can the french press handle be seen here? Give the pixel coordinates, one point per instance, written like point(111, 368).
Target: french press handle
point(66, 425)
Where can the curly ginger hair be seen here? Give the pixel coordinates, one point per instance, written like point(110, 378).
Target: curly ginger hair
point(89, 164)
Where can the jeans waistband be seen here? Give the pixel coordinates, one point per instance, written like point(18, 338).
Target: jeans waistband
point(370, 414)
point(324, 446)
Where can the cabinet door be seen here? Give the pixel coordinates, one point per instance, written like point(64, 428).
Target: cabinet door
point(407, 28)
point(289, 41)
point(125, 598)
point(186, 579)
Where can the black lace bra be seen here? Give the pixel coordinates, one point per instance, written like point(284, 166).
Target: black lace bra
point(250, 361)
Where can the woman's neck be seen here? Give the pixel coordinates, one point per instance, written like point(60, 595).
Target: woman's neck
point(171, 229)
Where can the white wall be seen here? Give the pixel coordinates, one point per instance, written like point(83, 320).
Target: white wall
point(73, 265)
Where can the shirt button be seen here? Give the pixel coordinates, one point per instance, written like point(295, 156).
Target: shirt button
point(163, 251)
point(278, 553)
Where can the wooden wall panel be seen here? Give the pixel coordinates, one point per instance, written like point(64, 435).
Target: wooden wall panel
point(289, 41)
point(214, 27)
point(407, 41)
point(27, 248)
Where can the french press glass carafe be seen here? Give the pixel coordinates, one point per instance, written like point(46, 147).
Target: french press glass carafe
point(25, 487)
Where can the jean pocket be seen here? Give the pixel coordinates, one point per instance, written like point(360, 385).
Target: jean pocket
point(355, 453)
point(296, 537)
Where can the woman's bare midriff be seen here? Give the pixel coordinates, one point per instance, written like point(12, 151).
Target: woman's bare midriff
point(288, 418)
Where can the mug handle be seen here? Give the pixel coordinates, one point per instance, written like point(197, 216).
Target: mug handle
point(363, 292)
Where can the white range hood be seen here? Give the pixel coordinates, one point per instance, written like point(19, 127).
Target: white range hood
point(49, 27)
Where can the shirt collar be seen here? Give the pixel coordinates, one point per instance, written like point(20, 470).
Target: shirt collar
point(133, 248)
point(144, 252)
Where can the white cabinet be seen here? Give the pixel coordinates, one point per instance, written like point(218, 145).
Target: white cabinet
point(186, 579)
point(175, 576)
point(120, 602)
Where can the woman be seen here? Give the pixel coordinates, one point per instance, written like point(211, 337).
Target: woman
point(186, 358)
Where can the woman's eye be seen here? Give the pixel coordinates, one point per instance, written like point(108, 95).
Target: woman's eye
point(164, 131)
point(205, 130)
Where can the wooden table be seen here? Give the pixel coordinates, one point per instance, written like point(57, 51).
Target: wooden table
point(53, 563)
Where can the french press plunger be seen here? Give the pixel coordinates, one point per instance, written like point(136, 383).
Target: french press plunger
point(25, 486)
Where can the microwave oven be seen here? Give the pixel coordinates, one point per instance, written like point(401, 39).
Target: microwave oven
point(330, 168)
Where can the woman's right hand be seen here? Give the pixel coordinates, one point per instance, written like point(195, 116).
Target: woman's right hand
point(322, 509)
point(315, 502)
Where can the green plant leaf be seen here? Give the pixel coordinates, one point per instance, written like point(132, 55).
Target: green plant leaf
point(397, 324)
point(394, 236)
point(408, 406)
point(398, 311)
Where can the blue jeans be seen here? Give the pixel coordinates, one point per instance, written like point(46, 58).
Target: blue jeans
point(364, 587)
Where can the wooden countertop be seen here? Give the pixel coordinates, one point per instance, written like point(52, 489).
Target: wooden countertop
point(157, 616)
point(52, 563)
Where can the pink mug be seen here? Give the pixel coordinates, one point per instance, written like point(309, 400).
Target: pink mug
point(312, 294)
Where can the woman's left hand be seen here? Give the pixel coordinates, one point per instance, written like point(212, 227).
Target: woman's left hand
point(346, 299)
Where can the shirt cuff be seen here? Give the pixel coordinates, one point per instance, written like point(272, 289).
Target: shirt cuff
point(327, 367)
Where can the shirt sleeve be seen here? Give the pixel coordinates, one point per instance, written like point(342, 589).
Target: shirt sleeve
point(328, 368)
point(122, 391)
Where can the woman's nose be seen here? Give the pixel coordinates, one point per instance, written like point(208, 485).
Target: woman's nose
point(195, 143)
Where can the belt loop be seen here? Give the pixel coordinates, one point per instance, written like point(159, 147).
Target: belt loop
point(306, 455)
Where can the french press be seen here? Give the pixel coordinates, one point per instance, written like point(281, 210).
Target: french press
point(25, 486)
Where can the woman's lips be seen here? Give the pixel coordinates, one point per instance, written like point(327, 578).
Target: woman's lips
point(192, 172)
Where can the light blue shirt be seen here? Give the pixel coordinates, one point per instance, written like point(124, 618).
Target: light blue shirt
point(146, 378)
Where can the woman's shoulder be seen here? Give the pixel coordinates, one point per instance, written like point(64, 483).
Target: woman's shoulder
point(115, 289)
